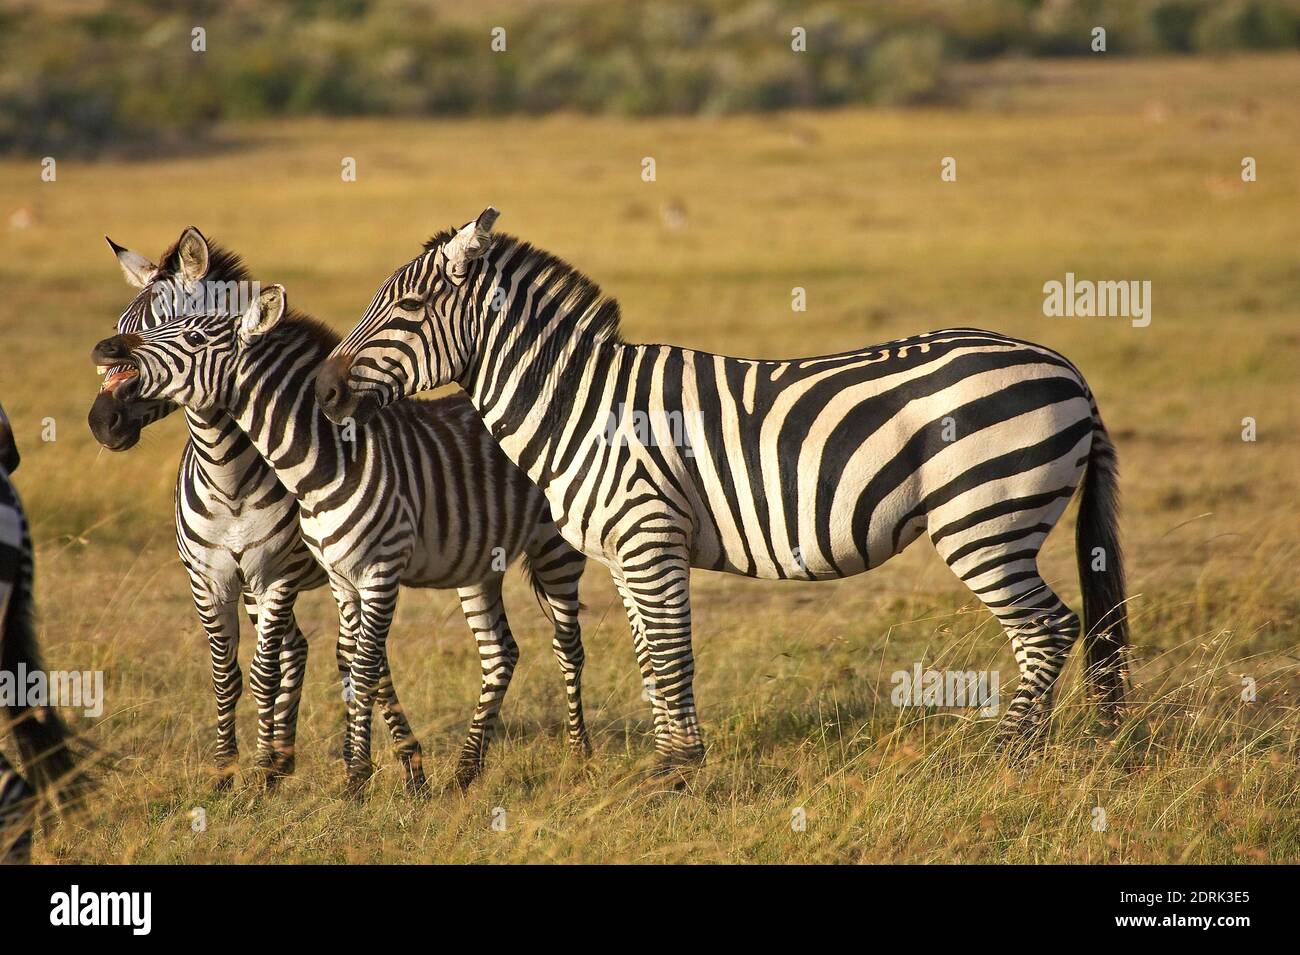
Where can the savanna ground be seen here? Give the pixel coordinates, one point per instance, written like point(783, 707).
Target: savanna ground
point(1112, 170)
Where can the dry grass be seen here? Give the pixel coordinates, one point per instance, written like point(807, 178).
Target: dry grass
point(1111, 170)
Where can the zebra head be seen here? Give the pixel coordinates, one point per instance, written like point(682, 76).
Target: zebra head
point(9, 456)
point(164, 293)
point(192, 360)
point(415, 335)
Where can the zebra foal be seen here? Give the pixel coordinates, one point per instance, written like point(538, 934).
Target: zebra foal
point(807, 468)
point(422, 496)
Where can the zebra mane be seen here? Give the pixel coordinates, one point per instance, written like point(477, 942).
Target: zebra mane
point(300, 325)
point(223, 264)
point(597, 315)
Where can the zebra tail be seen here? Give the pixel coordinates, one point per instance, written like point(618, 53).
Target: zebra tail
point(530, 575)
point(44, 740)
point(1097, 545)
point(539, 591)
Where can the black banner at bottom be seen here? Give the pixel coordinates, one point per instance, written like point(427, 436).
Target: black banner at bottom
point(134, 905)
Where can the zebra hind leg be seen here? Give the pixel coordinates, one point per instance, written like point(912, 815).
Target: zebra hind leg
point(1041, 628)
point(485, 613)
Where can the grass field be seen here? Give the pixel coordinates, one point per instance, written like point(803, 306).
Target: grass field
point(1111, 170)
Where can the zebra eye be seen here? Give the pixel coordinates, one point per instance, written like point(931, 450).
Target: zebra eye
point(411, 304)
point(194, 338)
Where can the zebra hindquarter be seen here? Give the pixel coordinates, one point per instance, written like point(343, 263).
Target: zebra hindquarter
point(991, 539)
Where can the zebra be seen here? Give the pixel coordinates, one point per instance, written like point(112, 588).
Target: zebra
point(236, 525)
point(227, 496)
point(806, 469)
point(43, 738)
point(396, 502)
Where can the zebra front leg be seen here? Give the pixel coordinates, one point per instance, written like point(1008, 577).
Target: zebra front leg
point(220, 619)
point(555, 569)
point(658, 582)
point(369, 669)
point(408, 749)
point(405, 744)
point(345, 650)
point(275, 623)
point(498, 654)
point(293, 672)
point(659, 710)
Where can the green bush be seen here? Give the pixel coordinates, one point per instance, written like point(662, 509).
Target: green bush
point(127, 75)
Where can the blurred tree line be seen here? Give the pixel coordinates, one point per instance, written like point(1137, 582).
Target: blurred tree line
point(81, 76)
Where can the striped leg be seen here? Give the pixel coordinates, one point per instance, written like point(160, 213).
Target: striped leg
point(371, 682)
point(557, 568)
point(17, 799)
point(404, 743)
point(658, 581)
point(998, 561)
point(220, 619)
point(293, 671)
point(275, 624)
point(498, 654)
point(663, 738)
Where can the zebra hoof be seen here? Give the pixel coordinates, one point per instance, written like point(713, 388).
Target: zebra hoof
point(466, 772)
point(225, 780)
point(356, 785)
point(1020, 741)
point(580, 746)
point(671, 775)
point(283, 765)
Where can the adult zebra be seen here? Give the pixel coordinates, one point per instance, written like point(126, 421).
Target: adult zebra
point(392, 503)
point(41, 734)
point(238, 528)
point(814, 468)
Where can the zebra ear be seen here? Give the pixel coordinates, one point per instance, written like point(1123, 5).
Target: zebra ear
point(138, 270)
point(192, 249)
point(263, 314)
point(471, 242)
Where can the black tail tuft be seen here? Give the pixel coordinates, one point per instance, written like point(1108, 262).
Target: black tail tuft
point(530, 575)
point(44, 740)
point(1101, 575)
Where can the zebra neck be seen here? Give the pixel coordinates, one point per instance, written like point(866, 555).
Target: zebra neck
point(276, 407)
point(224, 451)
point(527, 384)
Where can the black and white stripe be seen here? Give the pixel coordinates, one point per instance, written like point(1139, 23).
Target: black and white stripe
point(422, 496)
point(812, 469)
point(40, 732)
point(236, 525)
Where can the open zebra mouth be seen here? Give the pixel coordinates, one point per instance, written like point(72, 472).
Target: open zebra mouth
point(116, 376)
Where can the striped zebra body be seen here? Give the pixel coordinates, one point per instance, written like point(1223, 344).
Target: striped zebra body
point(236, 525)
point(656, 459)
point(41, 734)
point(422, 496)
